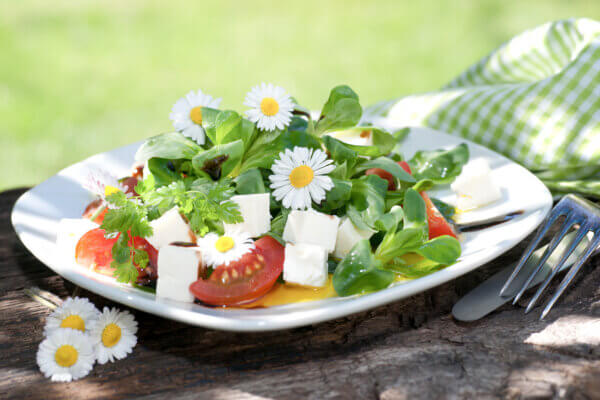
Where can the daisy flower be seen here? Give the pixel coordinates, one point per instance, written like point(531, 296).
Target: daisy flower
point(221, 250)
point(301, 175)
point(186, 114)
point(75, 313)
point(66, 354)
point(103, 184)
point(271, 107)
point(114, 335)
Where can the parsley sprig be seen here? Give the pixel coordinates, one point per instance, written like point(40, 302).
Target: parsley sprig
point(205, 203)
point(127, 218)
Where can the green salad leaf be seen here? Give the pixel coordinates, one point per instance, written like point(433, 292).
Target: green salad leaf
point(367, 201)
point(230, 154)
point(342, 110)
point(440, 166)
point(390, 166)
point(250, 182)
point(359, 272)
point(172, 145)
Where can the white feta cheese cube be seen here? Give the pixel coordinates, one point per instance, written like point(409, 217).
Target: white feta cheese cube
point(169, 228)
point(311, 227)
point(347, 236)
point(475, 186)
point(305, 264)
point(70, 230)
point(255, 211)
point(178, 268)
point(169, 288)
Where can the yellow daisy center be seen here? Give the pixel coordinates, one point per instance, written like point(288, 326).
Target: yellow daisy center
point(111, 335)
point(73, 322)
point(108, 190)
point(196, 115)
point(224, 244)
point(269, 106)
point(301, 176)
point(66, 355)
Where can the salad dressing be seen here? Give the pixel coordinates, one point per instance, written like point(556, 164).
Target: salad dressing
point(285, 293)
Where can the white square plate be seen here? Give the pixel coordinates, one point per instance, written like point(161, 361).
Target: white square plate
point(37, 213)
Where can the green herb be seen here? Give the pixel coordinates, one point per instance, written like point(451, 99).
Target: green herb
point(206, 204)
point(127, 220)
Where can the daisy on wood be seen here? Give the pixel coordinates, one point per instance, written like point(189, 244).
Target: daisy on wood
point(65, 355)
point(114, 335)
point(75, 313)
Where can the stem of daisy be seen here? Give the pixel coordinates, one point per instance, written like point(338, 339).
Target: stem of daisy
point(98, 212)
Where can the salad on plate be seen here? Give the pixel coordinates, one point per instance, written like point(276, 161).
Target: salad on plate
point(274, 206)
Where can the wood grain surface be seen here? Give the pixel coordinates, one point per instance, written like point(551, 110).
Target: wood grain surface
point(411, 349)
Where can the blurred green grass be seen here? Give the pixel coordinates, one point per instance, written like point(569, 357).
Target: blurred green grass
point(82, 77)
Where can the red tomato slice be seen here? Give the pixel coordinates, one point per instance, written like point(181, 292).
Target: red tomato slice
point(438, 226)
point(94, 251)
point(405, 166)
point(244, 280)
point(382, 173)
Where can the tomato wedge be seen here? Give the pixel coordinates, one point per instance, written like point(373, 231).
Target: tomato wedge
point(244, 280)
point(405, 166)
point(382, 173)
point(438, 226)
point(93, 250)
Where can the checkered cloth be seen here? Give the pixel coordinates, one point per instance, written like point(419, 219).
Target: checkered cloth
point(536, 99)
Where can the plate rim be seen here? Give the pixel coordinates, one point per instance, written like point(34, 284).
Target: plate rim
point(185, 313)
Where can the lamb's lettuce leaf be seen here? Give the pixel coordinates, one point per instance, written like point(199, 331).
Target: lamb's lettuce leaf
point(359, 272)
point(440, 166)
point(367, 201)
point(172, 146)
point(341, 111)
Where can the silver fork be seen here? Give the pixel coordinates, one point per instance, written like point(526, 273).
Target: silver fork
point(576, 211)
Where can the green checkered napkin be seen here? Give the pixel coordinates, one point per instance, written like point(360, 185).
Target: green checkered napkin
point(536, 99)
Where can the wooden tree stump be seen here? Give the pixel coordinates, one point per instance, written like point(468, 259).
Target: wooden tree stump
point(411, 349)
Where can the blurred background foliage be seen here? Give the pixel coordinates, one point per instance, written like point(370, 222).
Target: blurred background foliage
point(82, 77)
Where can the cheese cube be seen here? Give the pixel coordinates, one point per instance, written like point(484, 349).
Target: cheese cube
point(305, 264)
point(70, 230)
point(178, 267)
point(311, 227)
point(475, 185)
point(255, 211)
point(169, 228)
point(347, 236)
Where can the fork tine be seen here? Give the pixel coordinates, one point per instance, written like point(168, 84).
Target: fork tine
point(583, 230)
point(567, 224)
point(572, 272)
point(550, 219)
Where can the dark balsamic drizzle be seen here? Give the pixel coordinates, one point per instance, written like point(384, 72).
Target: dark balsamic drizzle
point(486, 223)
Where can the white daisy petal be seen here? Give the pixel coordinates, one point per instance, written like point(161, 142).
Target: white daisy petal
point(239, 243)
point(113, 335)
point(180, 114)
point(65, 355)
point(277, 115)
point(306, 187)
point(75, 313)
